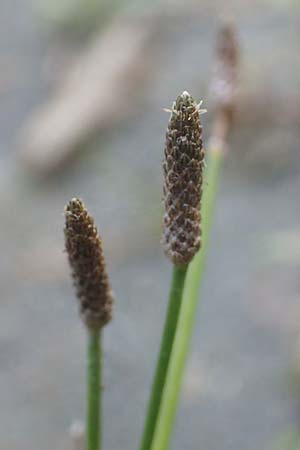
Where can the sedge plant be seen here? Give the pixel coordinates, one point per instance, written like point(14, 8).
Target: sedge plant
point(84, 248)
point(186, 228)
point(183, 174)
point(225, 83)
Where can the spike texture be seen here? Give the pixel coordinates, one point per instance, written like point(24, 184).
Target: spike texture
point(183, 175)
point(84, 248)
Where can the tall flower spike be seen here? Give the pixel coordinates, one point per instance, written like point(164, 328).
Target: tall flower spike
point(183, 174)
point(84, 248)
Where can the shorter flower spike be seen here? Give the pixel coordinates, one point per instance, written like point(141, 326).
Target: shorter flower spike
point(84, 248)
point(183, 172)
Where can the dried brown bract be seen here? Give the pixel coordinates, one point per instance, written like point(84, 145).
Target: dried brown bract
point(183, 172)
point(84, 248)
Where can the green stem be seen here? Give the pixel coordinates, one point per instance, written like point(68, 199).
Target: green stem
point(186, 320)
point(93, 415)
point(175, 297)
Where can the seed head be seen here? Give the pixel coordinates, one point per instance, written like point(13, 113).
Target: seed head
point(84, 248)
point(224, 84)
point(183, 173)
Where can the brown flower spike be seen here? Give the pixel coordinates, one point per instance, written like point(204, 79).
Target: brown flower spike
point(84, 248)
point(225, 80)
point(183, 172)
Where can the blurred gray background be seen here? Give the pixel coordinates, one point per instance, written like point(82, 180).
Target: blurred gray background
point(82, 91)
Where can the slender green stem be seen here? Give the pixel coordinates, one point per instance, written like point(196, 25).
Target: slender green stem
point(175, 297)
point(186, 320)
point(93, 415)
